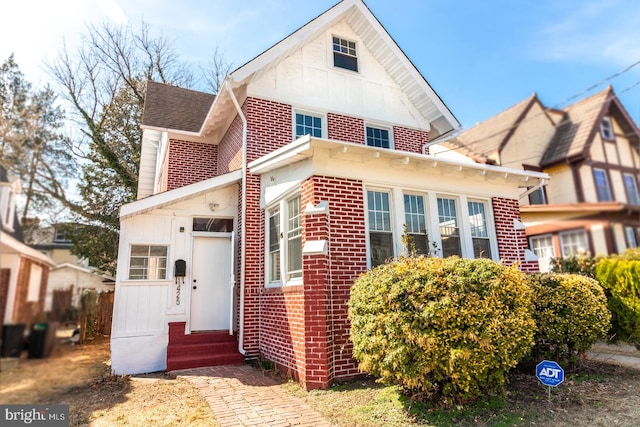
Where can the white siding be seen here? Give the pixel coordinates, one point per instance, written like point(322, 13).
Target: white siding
point(308, 79)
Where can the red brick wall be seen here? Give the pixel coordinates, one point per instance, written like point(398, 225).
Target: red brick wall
point(269, 126)
point(230, 148)
point(511, 242)
point(345, 128)
point(347, 259)
point(190, 162)
point(282, 329)
point(254, 266)
point(412, 140)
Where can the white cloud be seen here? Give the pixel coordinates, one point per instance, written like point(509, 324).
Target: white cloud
point(591, 32)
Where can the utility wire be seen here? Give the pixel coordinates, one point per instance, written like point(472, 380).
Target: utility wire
point(545, 110)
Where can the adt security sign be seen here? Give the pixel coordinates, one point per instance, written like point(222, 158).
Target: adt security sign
point(549, 373)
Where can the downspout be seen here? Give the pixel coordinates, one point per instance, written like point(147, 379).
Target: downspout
point(243, 233)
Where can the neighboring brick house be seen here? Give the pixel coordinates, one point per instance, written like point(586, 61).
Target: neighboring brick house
point(591, 151)
point(23, 270)
point(308, 164)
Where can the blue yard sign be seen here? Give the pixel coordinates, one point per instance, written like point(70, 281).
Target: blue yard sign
point(549, 373)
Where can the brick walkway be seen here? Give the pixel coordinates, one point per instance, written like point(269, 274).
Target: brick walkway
point(244, 396)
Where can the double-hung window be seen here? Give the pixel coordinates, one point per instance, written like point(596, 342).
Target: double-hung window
point(284, 245)
point(294, 239)
point(380, 231)
point(449, 227)
point(378, 137)
point(274, 245)
point(602, 185)
point(631, 186)
point(344, 54)
point(148, 262)
point(573, 243)
point(479, 230)
point(543, 247)
point(415, 222)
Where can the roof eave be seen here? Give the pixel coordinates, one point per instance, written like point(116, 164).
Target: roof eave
point(160, 200)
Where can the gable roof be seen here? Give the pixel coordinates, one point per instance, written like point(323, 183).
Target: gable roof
point(577, 128)
point(484, 141)
point(188, 110)
point(375, 38)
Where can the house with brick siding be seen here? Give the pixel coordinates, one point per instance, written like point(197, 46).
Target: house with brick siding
point(259, 207)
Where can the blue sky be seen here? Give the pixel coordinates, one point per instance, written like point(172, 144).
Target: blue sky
point(479, 56)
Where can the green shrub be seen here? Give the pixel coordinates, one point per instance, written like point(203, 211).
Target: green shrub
point(571, 314)
point(620, 276)
point(441, 328)
point(575, 264)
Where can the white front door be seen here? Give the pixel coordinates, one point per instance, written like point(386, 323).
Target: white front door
point(211, 284)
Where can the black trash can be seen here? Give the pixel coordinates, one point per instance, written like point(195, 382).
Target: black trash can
point(12, 340)
point(41, 339)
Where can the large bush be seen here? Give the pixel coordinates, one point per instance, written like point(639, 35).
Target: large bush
point(441, 328)
point(576, 264)
point(571, 314)
point(620, 276)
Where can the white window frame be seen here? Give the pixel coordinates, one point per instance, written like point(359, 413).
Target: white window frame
point(375, 126)
point(315, 114)
point(425, 214)
point(149, 265)
point(392, 228)
point(609, 195)
point(487, 236)
point(282, 207)
point(546, 254)
point(398, 219)
point(606, 128)
point(633, 196)
point(563, 247)
point(347, 54)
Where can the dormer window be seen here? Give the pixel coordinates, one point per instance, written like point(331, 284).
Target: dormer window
point(606, 129)
point(344, 54)
point(60, 236)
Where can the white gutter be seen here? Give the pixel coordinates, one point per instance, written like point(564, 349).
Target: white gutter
point(243, 233)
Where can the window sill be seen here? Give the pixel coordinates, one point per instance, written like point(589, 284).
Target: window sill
point(287, 289)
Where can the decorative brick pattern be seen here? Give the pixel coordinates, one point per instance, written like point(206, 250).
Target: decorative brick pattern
point(511, 242)
point(190, 162)
point(345, 128)
point(406, 139)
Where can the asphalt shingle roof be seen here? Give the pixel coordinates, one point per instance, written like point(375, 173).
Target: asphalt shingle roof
point(172, 107)
point(574, 131)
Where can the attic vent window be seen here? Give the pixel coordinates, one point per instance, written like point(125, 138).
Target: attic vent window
point(344, 54)
point(606, 128)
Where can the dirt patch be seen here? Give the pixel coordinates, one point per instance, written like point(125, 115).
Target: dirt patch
point(79, 375)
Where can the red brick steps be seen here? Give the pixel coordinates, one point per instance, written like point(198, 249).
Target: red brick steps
point(200, 349)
